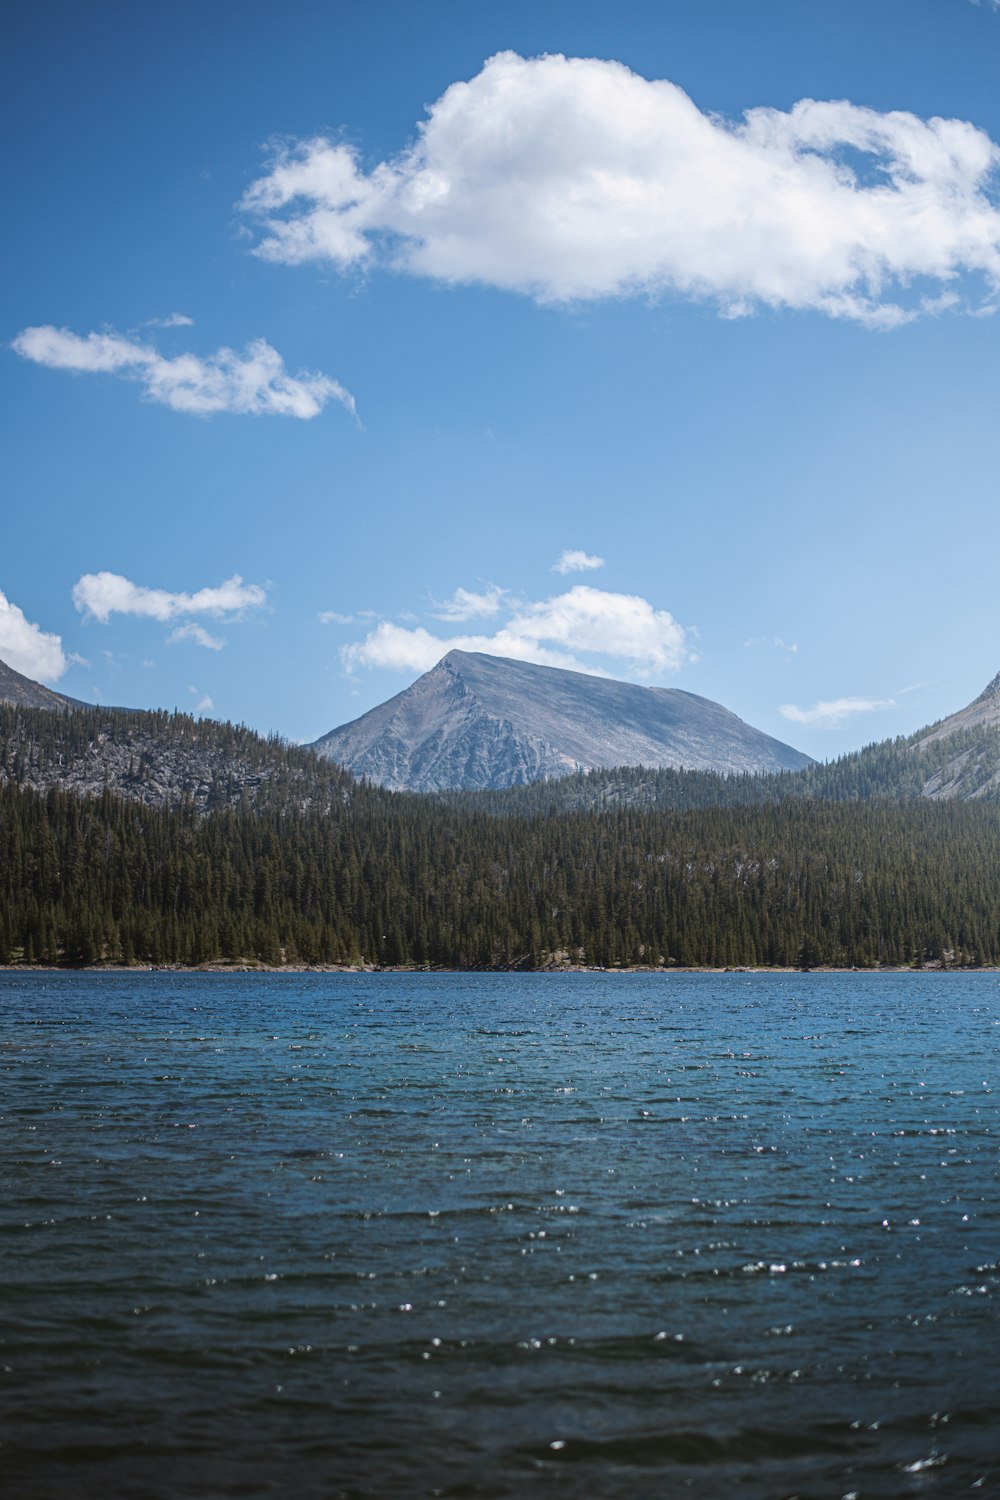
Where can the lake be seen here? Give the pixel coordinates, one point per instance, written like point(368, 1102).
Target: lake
point(597, 1235)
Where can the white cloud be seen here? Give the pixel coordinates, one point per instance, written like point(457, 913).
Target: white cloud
point(198, 634)
point(331, 617)
point(827, 715)
point(624, 627)
point(465, 605)
point(254, 382)
point(776, 641)
point(101, 595)
point(576, 562)
point(574, 178)
point(204, 703)
point(172, 320)
point(27, 648)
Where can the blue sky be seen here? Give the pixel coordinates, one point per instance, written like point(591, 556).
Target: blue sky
point(330, 341)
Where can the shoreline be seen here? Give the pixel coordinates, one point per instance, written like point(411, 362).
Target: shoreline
point(221, 968)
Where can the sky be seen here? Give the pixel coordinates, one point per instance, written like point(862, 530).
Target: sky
point(656, 340)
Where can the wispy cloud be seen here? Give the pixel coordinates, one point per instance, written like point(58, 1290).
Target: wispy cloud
point(563, 631)
point(775, 641)
point(333, 617)
point(98, 596)
point(198, 634)
point(576, 562)
point(828, 714)
point(253, 383)
point(204, 704)
point(466, 605)
point(574, 178)
point(27, 648)
point(172, 320)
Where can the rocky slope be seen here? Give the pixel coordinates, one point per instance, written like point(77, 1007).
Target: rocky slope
point(478, 722)
point(25, 693)
point(974, 735)
point(162, 760)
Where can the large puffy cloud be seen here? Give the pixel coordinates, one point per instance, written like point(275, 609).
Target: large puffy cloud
point(101, 595)
point(254, 382)
point(552, 631)
point(574, 178)
point(26, 647)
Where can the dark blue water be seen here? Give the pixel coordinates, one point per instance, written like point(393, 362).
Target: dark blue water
point(401, 1235)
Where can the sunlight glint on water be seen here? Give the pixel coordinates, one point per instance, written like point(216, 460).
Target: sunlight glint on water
point(394, 1235)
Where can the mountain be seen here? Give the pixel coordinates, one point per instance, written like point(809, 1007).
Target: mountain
point(162, 760)
point(973, 735)
point(957, 759)
point(478, 722)
point(25, 693)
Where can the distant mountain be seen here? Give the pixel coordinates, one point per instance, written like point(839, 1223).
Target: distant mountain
point(973, 735)
point(478, 722)
point(25, 693)
point(957, 759)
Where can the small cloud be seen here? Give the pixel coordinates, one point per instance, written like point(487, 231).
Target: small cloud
point(77, 659)
point(253, 383)
point(774, 641)
point(204, 701)
point(331, 617)
point(828, 714)
point(465, 605)
point(198, 634)
point(934, 306)
point(148, 666)
point(576, 562)
point(98, 596)
point(172, 320)
point(33, 652)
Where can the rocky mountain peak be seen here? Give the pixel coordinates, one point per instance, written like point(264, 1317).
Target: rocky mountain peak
point(477, 722)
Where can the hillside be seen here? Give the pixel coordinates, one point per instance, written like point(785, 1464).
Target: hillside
point(161, 760)
point(151, 837)
point(477, 722)
point(396, 879)
point(24, 693)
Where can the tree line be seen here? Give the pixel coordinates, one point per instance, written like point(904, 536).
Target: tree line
point(396, 879)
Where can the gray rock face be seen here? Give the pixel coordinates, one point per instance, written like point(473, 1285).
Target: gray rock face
point(974, 772)
point(475, 722)
point(25, 693)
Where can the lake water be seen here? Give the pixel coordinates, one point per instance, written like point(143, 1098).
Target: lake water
point(499, 1236)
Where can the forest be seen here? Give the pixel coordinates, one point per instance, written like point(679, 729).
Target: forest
point(393, 879)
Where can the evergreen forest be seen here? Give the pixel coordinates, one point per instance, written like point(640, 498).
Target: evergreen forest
point(292, 871)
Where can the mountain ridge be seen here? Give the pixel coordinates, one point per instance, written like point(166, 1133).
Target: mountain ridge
point(477, 722)
point(170, 760)
point(24, 692)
